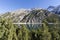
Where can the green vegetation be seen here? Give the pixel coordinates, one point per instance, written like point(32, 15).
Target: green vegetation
point(9, 31)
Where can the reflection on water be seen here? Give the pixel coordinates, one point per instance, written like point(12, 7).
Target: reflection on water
point(30, 26)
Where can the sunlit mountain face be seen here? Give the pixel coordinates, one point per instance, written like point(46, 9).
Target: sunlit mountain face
point(34, 15)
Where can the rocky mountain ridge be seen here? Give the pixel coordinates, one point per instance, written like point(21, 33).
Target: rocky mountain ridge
point(34, 15)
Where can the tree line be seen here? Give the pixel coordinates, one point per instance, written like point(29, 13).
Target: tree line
point(9, 31)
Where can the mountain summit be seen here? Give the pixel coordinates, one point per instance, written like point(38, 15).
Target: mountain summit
point(34, 15)
point(54, 9)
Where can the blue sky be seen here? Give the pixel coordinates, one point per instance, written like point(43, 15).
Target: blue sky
point(10, 5)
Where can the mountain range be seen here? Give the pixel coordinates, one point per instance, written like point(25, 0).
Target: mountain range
point(34, 15)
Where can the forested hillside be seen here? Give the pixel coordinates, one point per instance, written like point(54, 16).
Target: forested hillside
point(10, 31)
point(44, 24)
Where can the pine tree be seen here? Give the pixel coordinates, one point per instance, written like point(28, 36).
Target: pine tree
point(7, 29)
point(23, 33)
point(45, 33)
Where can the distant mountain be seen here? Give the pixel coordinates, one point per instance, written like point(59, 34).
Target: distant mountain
point(16, 15)
point(35, 15)
point(54, 9)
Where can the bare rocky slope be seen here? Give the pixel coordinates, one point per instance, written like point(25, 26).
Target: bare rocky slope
point(35, 15)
